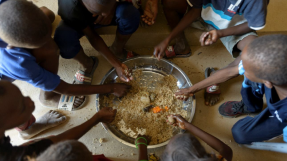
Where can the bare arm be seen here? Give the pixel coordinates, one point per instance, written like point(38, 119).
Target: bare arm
point(235, 30)
point(208, 38)
point(220, 76)
point(98, 43)
point(212, 141)
point(106, 115)
point(191, 16)
point(82, 89)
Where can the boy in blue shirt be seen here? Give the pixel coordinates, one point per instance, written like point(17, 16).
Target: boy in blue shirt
point(231, 21)
point(263, 64)
point(28, 53)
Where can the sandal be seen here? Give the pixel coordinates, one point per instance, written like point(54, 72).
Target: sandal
point(82, 78)
point(127, 55)
point(170, 53)
point(212, 93)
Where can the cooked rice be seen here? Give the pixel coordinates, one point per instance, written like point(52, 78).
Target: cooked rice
point(132, 120)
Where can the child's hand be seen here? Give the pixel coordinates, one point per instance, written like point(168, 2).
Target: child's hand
point(208, 38)
point(159, 50)
point(179, 121)
point(124, 73)
point(107, 114)
point(120, 89)
point(184, 94)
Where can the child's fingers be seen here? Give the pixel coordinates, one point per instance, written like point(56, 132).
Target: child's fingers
point(160, 55)
point(155, 52)
point(124, 78)
point(203, 39)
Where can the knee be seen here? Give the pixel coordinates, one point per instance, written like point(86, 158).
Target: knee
point(247, 40)
point(167, 3)
point(239, 135)
point(67, 40)
point(170, 4)
point(128, 18)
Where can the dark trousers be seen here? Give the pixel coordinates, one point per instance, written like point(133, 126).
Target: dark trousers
point(261, 127)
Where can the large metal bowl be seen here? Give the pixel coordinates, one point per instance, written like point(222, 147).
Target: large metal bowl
point(151, 68)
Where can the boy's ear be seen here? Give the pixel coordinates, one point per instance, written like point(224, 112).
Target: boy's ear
point(267, 84)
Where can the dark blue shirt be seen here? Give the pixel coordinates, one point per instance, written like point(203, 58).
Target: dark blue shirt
point(277, 107)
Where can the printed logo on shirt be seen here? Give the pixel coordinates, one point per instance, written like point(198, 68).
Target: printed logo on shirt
point(277, 116)
point(234, 7)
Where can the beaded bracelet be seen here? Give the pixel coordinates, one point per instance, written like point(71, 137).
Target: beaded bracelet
point(140, 138)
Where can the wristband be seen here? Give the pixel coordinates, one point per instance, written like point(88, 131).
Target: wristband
point(140, 138)
point(140, 143)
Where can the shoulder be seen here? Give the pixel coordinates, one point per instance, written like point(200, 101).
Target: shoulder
point(255, 4)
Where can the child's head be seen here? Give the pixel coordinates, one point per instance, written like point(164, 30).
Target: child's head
point(265, 60)
point(99, 7)
point(22, 24)
point(15, 109)
point(70, 150)
point(185, 147)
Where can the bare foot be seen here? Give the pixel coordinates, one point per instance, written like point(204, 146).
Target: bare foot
point(47, 121)
point(51, 99)
point(181, 46)
point(88, 66)
point(211, 98)
point(212, 93)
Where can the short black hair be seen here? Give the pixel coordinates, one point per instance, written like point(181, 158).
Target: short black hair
point(70, 150)
point(102, 2)
point(22, 23)
point(187, 148)
point(269, 57)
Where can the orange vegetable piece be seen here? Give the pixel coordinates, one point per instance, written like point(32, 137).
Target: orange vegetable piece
point(166, 108)
point(156, 109)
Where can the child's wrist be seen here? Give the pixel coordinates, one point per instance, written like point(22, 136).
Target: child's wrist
point(142, 146)
point(220, 33)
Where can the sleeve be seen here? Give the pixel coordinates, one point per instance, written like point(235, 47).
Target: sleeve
point(255, 14)
point(195, 3)
point(25, 68)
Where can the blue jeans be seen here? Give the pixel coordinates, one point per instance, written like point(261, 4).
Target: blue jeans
point(127, 19)
point(261, 127)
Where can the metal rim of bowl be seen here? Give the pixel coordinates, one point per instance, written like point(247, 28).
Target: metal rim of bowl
point(149, 146)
